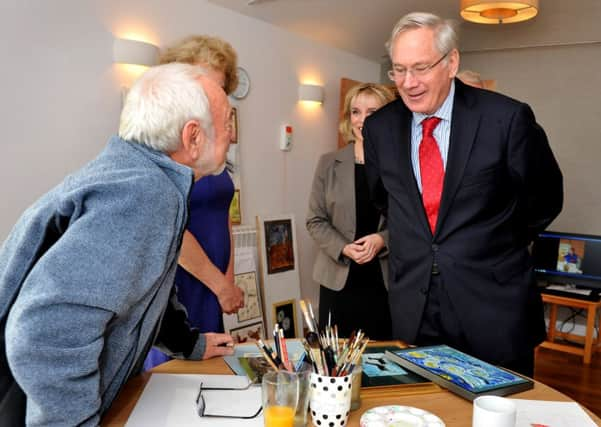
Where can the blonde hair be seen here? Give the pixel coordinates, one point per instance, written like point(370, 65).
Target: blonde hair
point(383, 93)
point(210, 51)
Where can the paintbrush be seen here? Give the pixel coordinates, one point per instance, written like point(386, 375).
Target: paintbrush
point(313, 341)
point(306, 315)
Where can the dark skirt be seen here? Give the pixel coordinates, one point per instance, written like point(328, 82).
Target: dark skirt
point(361, 304)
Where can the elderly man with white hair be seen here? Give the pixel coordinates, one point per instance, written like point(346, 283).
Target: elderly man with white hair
point(86, 274)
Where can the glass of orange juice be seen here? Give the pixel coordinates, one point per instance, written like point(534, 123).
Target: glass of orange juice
point(280, 397)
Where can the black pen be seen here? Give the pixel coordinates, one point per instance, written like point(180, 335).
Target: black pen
point(274, 356)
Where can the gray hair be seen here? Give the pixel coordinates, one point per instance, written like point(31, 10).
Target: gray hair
point(445, 36)
point(159, 104)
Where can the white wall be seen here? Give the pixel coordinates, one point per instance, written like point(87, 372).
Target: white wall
point(561, 80)
point(562, 83)
point(61, 98)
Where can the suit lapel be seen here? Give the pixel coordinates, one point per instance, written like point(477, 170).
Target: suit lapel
point(464, 126)
point(344, 177)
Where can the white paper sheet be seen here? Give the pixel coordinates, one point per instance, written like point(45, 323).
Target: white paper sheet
point(170, 400)
point(551, 414)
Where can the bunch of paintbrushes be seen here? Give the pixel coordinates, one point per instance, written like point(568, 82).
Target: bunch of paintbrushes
point(323, 349)
point(278, 358)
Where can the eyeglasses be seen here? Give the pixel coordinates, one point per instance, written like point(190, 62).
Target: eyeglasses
point(417, 71)
point(201, 406)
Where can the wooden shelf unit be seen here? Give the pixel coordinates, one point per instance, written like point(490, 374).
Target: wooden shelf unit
point(590, 344)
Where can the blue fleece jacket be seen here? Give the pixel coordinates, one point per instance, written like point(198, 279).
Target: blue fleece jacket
point(85, 276)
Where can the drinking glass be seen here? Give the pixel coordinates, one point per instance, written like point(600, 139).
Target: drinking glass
point(280, 391)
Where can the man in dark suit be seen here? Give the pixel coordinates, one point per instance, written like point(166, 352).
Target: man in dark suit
point(467, 179)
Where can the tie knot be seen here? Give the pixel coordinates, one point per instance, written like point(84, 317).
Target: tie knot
point(429, 124)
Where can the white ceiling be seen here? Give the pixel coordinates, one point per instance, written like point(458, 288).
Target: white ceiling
point(357, 26)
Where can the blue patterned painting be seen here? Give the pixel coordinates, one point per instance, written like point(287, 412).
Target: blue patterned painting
point(461, 369)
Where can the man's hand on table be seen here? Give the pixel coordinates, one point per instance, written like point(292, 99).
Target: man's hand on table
point(218, 345)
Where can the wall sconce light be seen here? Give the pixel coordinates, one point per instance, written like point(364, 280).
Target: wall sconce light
point(498, 12)
point(135, 52)
point(310, 93)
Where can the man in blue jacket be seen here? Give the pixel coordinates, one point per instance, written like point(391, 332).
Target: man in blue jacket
point(86, 275)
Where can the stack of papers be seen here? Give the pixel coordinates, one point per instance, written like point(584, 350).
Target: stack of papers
point(534, 413)
point(170, 400)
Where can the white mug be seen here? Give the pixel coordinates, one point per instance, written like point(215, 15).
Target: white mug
point(493, 411)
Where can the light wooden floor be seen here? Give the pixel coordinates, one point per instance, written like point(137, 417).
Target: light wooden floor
point(567, 374)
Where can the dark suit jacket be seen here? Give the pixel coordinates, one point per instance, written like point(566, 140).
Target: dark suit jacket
point(502, 186)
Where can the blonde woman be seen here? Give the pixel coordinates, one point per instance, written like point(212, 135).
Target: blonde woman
point(351, 234)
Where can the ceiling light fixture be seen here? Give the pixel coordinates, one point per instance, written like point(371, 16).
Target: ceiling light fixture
point(498, 12)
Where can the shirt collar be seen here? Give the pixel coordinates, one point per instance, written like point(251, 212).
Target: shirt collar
point(443, 112)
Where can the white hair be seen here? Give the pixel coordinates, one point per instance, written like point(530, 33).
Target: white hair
point(445, 36)
point(159, 104)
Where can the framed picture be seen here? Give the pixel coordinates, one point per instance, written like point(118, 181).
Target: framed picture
point(252, 308)
point(248, 333)
point(234, 119)
point(235, 212)
point(276, 247)
point(284, 313)
point(279, 247)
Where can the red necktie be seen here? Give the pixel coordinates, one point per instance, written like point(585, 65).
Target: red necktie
point(431, 170)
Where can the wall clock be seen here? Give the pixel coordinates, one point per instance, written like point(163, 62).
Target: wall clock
point(243, 84)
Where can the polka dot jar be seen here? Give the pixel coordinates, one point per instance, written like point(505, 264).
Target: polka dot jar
point(330, 401)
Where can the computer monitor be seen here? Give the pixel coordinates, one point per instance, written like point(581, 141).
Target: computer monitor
point(568, 259)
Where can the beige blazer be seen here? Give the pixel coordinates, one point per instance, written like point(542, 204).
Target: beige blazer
point(331, 218)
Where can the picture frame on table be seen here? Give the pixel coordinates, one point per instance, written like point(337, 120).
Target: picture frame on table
point(458, 372)
point(284, 313)
point(379, 372)
point(279, 245)
point(235, 211)
point(248, 333)
point(252, 305)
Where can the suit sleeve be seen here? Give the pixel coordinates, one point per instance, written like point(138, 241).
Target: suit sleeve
point(377, 192)
point(319, 222)
point(535, 171)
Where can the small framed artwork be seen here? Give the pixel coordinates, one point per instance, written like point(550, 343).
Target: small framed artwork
point(284, 313)
point(235, 212)
point(252, 308)
point(279, 247)
point(248, 333)
point(234, 124)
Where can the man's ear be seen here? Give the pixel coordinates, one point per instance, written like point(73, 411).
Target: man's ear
point(453, 63)
point(192, 139)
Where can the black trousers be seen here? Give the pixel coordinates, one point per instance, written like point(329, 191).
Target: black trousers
point(440, 325)
point(12, 398)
